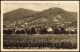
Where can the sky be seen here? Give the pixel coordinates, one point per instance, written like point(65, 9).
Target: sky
point(39, 5)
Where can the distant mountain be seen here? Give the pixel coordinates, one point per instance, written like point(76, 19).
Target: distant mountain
point(74, 14)
point(54, 16)
point(49, 17)
point(17, 14)
point(49, 13)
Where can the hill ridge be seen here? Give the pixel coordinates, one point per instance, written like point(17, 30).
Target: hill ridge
point(47, 17)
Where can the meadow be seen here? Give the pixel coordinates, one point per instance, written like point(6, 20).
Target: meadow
point(37, 41)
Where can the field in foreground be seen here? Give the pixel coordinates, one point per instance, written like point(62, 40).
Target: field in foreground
point(50, 41)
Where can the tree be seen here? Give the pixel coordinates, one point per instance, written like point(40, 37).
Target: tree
point(56, 31)
point(62, 30)
point(43, 31)
point(33, 31)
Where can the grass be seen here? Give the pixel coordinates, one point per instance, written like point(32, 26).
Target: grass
point(41, 41)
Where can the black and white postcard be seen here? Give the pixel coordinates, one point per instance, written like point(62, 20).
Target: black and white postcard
point(39, 25)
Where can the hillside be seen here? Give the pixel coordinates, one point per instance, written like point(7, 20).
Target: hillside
point(53, 16)
point(17, 14)
point(49, 13)
point(49, 17)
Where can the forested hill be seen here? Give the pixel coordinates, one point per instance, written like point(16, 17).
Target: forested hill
point(47, 17)
point(17, 14)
